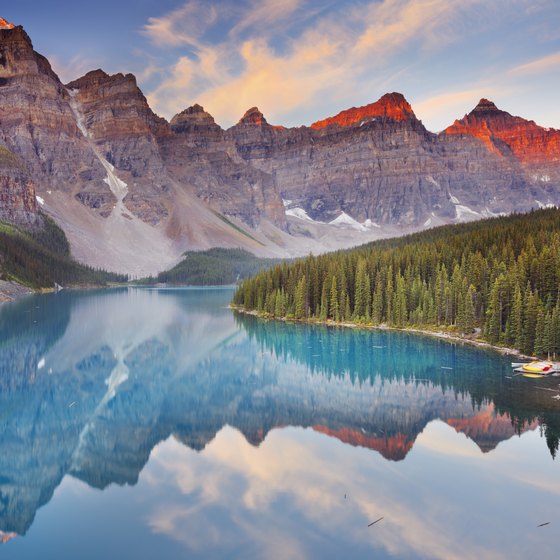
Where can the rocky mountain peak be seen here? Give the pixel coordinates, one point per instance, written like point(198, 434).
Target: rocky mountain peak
point(391, 105)
point(91, 79)
point(507, 135)
point(192, 115)
point(17, 55)
point(194, 109)
point(11, 35)
point(485, 106)
point(6, 24)
point(253, 116)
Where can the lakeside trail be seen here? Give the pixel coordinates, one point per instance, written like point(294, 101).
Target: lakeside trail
point(436, 334)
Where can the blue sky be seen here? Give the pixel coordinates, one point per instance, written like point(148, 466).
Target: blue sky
point(303, 60)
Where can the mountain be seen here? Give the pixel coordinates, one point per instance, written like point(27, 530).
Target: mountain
point(535, 148)
point(93, 152)
point(117, 177)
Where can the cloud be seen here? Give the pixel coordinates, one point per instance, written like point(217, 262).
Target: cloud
point(265, 13)
point(538, 66)
point(328, 489)
point(183, 26)
point(256, 61)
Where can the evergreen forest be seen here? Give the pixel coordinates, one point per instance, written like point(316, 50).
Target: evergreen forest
point(40, 257)
point(214, 267)
point(497, 280)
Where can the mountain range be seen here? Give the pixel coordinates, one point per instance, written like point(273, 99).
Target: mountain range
point(133, 192)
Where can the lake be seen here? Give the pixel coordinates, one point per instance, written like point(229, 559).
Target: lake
point(140, 423)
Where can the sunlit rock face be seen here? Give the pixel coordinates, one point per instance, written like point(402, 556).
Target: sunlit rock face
point(6, 24)
point(534, 148)
point(391, 105)
point(378, 163)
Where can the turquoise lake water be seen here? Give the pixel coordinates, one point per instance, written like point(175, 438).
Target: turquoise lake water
point(140, 423)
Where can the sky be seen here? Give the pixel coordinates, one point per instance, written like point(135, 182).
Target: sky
point(303, 60)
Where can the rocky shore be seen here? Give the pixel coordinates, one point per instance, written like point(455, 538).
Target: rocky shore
point(9, 291)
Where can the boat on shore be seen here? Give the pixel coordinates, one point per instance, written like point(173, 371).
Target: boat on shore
point(542, 368)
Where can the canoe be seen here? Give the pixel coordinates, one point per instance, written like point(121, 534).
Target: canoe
point(537, 369)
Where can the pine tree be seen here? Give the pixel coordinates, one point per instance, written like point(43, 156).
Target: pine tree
point(516, 320)
point(334, 308)
point(300, 310)
point(493, 325)
point(359, 292)
point(377, 305)
point(324, 312)
point(540, 348)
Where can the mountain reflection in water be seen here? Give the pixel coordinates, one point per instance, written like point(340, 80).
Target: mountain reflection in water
point(91, 382)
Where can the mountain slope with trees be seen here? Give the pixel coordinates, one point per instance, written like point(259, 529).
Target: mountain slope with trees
point(497, 279)
point(216, 266)
point(41, 257)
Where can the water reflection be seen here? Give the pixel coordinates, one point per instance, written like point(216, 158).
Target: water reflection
point(90, 383)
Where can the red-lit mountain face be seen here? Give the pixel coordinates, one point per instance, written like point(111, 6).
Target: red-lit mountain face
point(536, 148)
point(115, 175)
point(391, 105)
point(6, 24)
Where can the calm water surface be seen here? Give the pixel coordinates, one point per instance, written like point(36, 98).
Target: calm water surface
point(157, 424)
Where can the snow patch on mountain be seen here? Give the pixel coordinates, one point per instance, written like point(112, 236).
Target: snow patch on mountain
point(464, 213)
point(545, 205)
point(74, 105)
point(299, 213)
point(454, 199)
point(118, 187)
point(542, 178)
point(346, 221)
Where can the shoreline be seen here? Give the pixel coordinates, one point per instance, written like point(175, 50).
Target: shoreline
point(425, 332)
point(11, 291)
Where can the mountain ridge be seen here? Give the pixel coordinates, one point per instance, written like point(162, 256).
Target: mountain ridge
point(117, 176)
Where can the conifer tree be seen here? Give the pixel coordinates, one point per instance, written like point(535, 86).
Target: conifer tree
point(334, 308)
point(301, 299)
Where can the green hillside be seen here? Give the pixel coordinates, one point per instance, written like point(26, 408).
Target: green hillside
point(40, 258)
point(215, 267)
point(497, 279)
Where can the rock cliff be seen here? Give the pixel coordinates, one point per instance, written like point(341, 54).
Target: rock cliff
point(37, 123)
point(117, 177)
point(199, 155)
point(18, 204)
point(535, 150)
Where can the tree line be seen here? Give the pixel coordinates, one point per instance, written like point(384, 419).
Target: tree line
point(41, 257)
point(213, 267)
point(497, 279)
